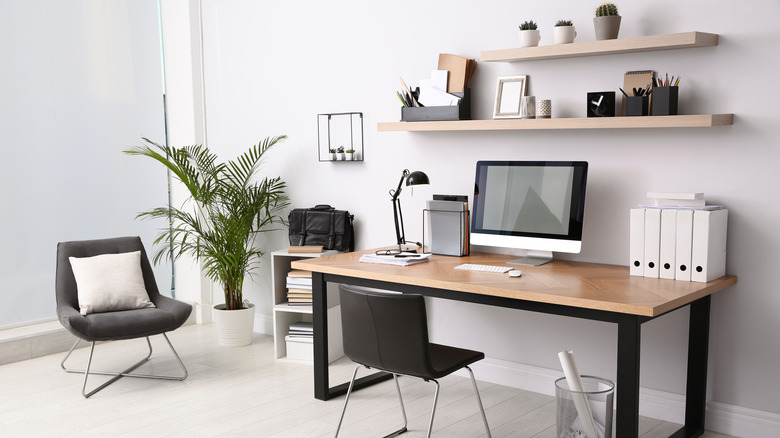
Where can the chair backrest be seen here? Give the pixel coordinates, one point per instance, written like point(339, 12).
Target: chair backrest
point(385, 330)
point(65, 283)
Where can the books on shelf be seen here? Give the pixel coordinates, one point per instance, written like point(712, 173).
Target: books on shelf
point(299, 288)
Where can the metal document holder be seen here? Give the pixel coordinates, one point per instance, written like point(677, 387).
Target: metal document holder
point(447, 238)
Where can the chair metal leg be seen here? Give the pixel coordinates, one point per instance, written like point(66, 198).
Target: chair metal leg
point(433, 409)
point(346, 400)
point(479, 402)
point(125, 373)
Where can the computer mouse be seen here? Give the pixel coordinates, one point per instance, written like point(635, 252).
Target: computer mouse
point(515, 273)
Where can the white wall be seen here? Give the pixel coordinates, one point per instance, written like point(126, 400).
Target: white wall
point(270, 68)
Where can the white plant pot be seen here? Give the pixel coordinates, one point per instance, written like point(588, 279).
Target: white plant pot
point(333, 156)
point(234, 327)
point(530, 38)
point(341, 156)
point(564, 34)
point(350, 156)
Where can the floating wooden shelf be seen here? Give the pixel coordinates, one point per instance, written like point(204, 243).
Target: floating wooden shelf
point(685, 121)
point(604, 47)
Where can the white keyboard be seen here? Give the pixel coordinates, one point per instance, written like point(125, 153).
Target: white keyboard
point(483, 268)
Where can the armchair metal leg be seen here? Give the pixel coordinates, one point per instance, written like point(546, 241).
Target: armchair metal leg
point(479, 402)
point(400, 399)
point(125, 373)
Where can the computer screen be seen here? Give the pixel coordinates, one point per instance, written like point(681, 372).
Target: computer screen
point(532, 205)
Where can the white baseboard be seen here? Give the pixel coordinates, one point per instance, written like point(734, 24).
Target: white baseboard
point(264, 324)
point(666, 406)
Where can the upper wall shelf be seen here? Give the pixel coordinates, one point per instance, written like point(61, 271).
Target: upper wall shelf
point(604, 47)
point(685, 121)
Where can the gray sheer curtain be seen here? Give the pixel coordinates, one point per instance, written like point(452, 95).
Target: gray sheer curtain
point(80, 80)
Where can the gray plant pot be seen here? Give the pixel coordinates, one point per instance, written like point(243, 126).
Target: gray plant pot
point(607, 28)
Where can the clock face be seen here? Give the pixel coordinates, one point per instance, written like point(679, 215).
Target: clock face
point(601, 104)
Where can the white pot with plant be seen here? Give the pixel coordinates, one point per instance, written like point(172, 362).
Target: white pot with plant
point(340, 153)
point(350, 154)
point(529, 34)
point(229, 207)
point(564, 32)
point(607, 21)
point(332, 153)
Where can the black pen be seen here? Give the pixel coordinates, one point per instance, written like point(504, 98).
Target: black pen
point(407, 255)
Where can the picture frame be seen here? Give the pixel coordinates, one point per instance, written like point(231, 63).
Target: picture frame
point(509, 92)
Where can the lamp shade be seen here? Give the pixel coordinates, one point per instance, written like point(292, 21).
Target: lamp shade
point(417, 178)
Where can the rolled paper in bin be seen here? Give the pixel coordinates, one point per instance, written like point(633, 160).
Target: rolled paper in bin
point(572, 376)
point(599, 394)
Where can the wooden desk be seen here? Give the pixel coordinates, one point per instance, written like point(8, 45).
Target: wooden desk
point(582, 290)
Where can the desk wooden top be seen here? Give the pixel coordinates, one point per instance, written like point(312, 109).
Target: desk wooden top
point(578, 284)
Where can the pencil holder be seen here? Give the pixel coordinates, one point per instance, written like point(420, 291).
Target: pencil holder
point(589, 410)
point(636, 105)
point(665, 101)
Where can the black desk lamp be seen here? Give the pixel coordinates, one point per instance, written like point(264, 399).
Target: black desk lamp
point(412, 179)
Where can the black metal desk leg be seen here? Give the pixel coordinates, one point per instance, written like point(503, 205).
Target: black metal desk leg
point(629, 341)
point(320, 323)
point(698, 349)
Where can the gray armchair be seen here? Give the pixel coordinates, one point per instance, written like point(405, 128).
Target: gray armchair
point(166, 315)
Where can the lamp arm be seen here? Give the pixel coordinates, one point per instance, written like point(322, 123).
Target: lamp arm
point(399, 222)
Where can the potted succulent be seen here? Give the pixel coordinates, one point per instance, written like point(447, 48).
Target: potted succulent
point(350, 154)
point(340, 153)
point(229, 207)
point(563, 32)
point(607, 21)
point(332, 154)
point(529, 34)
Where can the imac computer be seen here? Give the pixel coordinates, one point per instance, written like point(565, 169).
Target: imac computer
point(537, 206)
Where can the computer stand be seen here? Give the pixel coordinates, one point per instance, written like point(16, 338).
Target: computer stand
point(533, 258)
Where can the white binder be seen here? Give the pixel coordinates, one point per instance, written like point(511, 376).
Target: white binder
point(708, 257)
point(652, 241)
point(684, 244)
point(636, 242)
point(668, 249)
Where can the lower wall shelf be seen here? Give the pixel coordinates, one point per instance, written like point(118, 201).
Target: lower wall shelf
point(683, 121)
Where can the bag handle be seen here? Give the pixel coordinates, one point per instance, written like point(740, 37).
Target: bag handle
point(322, 207)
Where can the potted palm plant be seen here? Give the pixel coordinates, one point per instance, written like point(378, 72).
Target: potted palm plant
point(228, 208)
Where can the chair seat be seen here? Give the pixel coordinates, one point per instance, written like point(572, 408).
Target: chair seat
point(446, 360)
point(125, 324)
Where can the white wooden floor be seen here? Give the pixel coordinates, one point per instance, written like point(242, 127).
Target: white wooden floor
point(238, 392)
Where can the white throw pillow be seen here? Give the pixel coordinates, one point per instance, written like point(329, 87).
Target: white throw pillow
point(110, 282)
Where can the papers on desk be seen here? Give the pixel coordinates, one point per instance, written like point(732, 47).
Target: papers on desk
point(399, 260)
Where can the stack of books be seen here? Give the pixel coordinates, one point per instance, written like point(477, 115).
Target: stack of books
point(299, 288)
point(300, 332)
point(692, 201)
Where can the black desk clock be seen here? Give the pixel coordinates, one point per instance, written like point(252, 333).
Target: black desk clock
point(601, 104)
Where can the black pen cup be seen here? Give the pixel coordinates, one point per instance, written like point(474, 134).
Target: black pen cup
point(665, 101)
point(637, 105)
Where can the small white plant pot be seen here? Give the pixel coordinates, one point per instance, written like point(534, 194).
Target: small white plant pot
point(341, 156)
point(564, 34)
point(350, 156)
point(530, 38)
point(333, 156)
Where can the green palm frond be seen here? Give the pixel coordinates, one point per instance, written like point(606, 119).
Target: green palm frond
point(228, 207)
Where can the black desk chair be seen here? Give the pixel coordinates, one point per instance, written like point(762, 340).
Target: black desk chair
point(166, 315)
point(389, 332)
